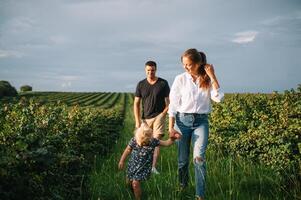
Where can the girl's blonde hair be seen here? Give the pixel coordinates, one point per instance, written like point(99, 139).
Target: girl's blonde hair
point(143, 135)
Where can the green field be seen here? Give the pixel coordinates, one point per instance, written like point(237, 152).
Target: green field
point(254, 149)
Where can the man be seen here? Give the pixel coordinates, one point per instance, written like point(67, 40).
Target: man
point(153, 92)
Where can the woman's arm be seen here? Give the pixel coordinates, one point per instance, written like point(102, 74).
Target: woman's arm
point(125, 154)
point(216, 94)
point(171, 129)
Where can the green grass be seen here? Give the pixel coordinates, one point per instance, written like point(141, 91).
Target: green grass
point(227, 178)
point(106, 181)
point(230, 178)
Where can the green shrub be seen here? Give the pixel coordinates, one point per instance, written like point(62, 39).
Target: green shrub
point(6, 90)
point(45, 150)
point(25, 88)
point(259, 127)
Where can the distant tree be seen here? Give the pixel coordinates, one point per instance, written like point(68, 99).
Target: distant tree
point(25, 88)
point(7, 90)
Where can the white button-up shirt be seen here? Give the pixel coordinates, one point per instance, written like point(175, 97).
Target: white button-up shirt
point(186, 96)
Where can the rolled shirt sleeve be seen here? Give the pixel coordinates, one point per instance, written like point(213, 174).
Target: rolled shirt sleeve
point(217, 95)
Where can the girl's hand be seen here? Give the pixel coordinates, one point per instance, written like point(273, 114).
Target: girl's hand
point(178, 136)
point(120, 165)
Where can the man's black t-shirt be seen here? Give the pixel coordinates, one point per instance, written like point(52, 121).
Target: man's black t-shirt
point(153, 97)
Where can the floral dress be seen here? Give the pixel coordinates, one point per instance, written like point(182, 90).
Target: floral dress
point(141, 159)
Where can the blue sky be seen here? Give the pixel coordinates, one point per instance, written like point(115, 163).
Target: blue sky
point(102, 45)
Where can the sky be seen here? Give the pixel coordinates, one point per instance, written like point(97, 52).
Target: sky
point(102, 45)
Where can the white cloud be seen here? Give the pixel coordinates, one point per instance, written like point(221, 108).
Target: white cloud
point(9, 53)
point(69, 78)
point(276, 20)
point(245, 37)
point(66, 84)
point(272, 21)
point(21, 24)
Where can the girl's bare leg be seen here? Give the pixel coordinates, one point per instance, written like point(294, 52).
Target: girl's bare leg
point(137, 189)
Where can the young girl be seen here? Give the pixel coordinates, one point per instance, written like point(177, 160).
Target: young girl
point(141, 147)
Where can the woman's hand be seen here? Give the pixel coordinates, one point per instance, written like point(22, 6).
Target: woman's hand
point(210, 71)
point(173, 134)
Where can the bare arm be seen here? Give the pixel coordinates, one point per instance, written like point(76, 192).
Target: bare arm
point(166, 105)
point(137, 112)
point(125, 154)
point(166, 143)
point(171, 124)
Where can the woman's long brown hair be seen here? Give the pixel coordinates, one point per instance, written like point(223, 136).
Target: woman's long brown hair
point(199, 58)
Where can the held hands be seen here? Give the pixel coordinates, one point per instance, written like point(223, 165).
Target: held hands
point(174, 135)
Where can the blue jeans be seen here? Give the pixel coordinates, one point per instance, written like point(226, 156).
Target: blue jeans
point(195, 130)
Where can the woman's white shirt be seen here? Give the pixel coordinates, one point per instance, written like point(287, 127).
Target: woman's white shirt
point(186, 96)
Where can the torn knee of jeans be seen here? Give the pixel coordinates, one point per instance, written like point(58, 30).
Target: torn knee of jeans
point(199, 160)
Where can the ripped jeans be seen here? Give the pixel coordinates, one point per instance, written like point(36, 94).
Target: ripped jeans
point(195, 130)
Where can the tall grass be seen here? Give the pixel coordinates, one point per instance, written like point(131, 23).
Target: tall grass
point(106, 181)
point(234, 178)
point(227, 177)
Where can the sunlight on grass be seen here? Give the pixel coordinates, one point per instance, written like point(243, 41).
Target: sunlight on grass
point(227, 178)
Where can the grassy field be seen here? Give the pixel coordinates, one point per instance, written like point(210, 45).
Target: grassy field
point(227, 178)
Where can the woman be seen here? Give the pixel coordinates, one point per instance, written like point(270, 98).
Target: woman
point(189, 108)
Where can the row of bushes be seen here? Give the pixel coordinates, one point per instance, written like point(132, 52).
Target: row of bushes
point(7, 90)
point(262, 128)
point(45, 150)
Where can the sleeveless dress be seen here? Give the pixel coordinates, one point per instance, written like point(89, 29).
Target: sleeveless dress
point(141, 159)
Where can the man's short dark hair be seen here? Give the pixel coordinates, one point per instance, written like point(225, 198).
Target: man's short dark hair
point(151, 63)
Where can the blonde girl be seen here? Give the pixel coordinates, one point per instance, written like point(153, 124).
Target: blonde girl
point(141, 148)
